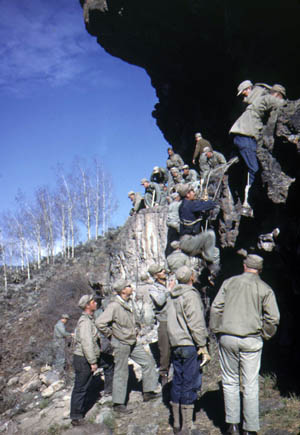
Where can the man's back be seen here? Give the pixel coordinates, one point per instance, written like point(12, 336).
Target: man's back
point(243, 305)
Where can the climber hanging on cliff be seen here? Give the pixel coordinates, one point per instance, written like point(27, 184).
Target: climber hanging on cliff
point(247, 130)
point(152, 193)
point(192, 241)
point(137, 202)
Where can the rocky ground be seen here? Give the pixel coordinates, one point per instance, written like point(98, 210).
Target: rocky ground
point(35, 401)
point(42, 407)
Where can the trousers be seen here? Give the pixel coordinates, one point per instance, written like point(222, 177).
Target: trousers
point(164, 348)
point(241, 355)
point(203, 243)
point(247, 148)
point(83, 378)
point(138, 354)
point(187, 378)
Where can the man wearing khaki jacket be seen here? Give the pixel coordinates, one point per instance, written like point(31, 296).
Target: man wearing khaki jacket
point(118, 323)
point(188, 336)
point(243, 313)
point(86, 355)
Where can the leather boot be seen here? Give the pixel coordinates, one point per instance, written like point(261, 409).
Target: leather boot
point(176, 417)
point(233, 429)
point(187, 419)
point(247, 432)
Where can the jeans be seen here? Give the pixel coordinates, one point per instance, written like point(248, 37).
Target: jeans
point(247, 148)
point(187, 378)
point(241, 355)
point(138, 354)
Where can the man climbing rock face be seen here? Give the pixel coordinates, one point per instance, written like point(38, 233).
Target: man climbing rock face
point(201, 143)
point(192, 241)
point(137, 202)
point(174, 160)
point(247, 130)
point(152, 194)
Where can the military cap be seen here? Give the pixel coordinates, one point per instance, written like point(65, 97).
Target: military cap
point(84, 300)
point(155, 268)
point(144, 276)
point(155, 170)
point(185, 167)
point(198, 134)
point(174, 195)
point(254, 262)
point(279, 88)
point(144, 180)
point(175, 170)
point(206, 149)
point(183, 189)
point(175, 244)
point(183, 274)
point(65, 316)
point(120, 284)
point(131, 192)
point(244, 85)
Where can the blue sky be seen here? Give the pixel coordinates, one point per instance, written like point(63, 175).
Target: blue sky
point(63, 96)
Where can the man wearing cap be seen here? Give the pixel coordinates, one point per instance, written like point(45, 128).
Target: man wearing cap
point(152, 193)
point(188, 337)
point(247, 130)
point(137, 202)
point(59, 336)
point(143, 299)
point(243, 313)
point(175, 178)
point(201, 143)
point(118, 322)
point(173, 213)
point(177, 258)
point(159, 294)
point(85, 360)
point(174, 160)
point(159, 175)
point(190, 176)
point(209, 161)
point(192, 241)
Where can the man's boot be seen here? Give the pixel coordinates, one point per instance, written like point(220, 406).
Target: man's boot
point(233, 429)
point(176, 417)
point(187, 419)
point(164, 379)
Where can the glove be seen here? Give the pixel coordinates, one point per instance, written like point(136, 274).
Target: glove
point(202, 351)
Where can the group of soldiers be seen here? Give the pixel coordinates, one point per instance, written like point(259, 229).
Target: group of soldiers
point(243, 313)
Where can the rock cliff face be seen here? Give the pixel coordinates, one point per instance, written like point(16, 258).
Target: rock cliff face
point(196, 52)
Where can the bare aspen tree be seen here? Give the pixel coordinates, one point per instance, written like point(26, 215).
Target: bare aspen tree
point(84, 197)
point(61, 218)
point(45, 202)
point(4, 262)
point(96, 194)
point(70, 207)
point(108, 201)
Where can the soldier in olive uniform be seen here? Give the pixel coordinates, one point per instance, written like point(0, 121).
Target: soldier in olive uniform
point(152, 193)
point(177, 258)
point(174, 160)
point(137, 202)
point(86, 355)
point(59, 336)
